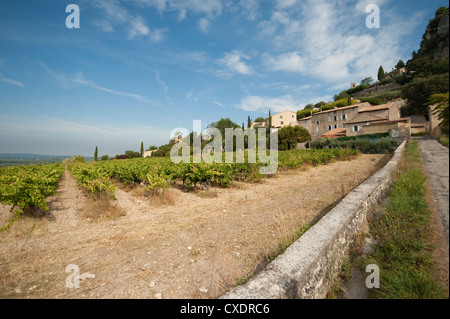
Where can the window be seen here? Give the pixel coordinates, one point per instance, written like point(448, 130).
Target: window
point(329, 118)
point(344, 116)
point(281, 116)
point(336, 126)
point(336, 118)
point(356, 128)
point(317, 129)
point(282, 123)
point(330, 127)
point(318, 123)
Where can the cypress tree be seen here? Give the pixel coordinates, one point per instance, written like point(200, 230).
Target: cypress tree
point(381, 74)
point(270, 120)
point(96, 154)
point(142, 148)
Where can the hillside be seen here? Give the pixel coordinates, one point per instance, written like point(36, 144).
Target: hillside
point(427, 71)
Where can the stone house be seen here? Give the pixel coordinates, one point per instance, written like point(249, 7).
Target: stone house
point(336, 118)
point(284, 119)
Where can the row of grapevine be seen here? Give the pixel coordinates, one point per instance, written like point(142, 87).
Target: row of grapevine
point(28, 187)
point(92, 179)
point(159, 173)
point(297, 158)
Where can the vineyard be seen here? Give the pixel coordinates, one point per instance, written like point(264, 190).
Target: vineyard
point(157, 174)
point(158, 236)
point(25, 187)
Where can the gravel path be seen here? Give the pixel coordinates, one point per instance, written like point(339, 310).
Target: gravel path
point(436, 159)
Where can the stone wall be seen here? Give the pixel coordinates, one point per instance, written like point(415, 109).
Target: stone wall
point(308, 267)
point(377, 89)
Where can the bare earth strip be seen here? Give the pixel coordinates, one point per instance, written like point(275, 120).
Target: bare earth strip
point(196, 248)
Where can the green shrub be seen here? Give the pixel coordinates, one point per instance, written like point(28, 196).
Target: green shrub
point(419, 134)
point(373, 143)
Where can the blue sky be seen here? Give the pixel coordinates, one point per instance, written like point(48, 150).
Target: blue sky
point(137, 69)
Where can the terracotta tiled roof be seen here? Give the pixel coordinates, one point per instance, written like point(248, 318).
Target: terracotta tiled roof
point(337, 132)
point(305, 118)
point(376, 108)
point(366, 117)
point(344, 108)
point(389, 121)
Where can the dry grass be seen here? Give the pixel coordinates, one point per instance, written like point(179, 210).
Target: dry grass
point(161, 199)
point(208, 193)
point(100, 209)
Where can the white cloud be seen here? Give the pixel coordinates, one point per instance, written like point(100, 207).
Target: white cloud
point(218, 103)
point(329, 40)
point(249, 9)
point(209, 8)
point(161, 82)
point(233, 63)
point(81, 80)
point(137, 28)
point(288, 62)
point(203, 25)
point(10, 81)
point(264, 104)
point(283, 4)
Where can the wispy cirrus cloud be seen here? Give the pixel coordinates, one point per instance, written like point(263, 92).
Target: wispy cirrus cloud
point(81, 80)
point(10, 81)
point(67, 81)
point(264, 104)
point(218, 103)
point(135, 25)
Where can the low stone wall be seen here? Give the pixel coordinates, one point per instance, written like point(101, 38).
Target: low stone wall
point(377, 89)
point(308, 267)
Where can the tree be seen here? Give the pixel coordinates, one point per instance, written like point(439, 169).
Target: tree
point(381, 74)
point(419, 91)
point(290, 136)
point(400, 64)
point(270, 120)
point(152, 148)
point(249, 122)
point(105, 157)
point(243, 126)
point(260, 120)
point(142, 148)
point(222, 125)
point(96, 154)
point(349, 100)
point(341, 95)
point(367, 81)
point(319, 105)
point(441, 109)
point(132, 154)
